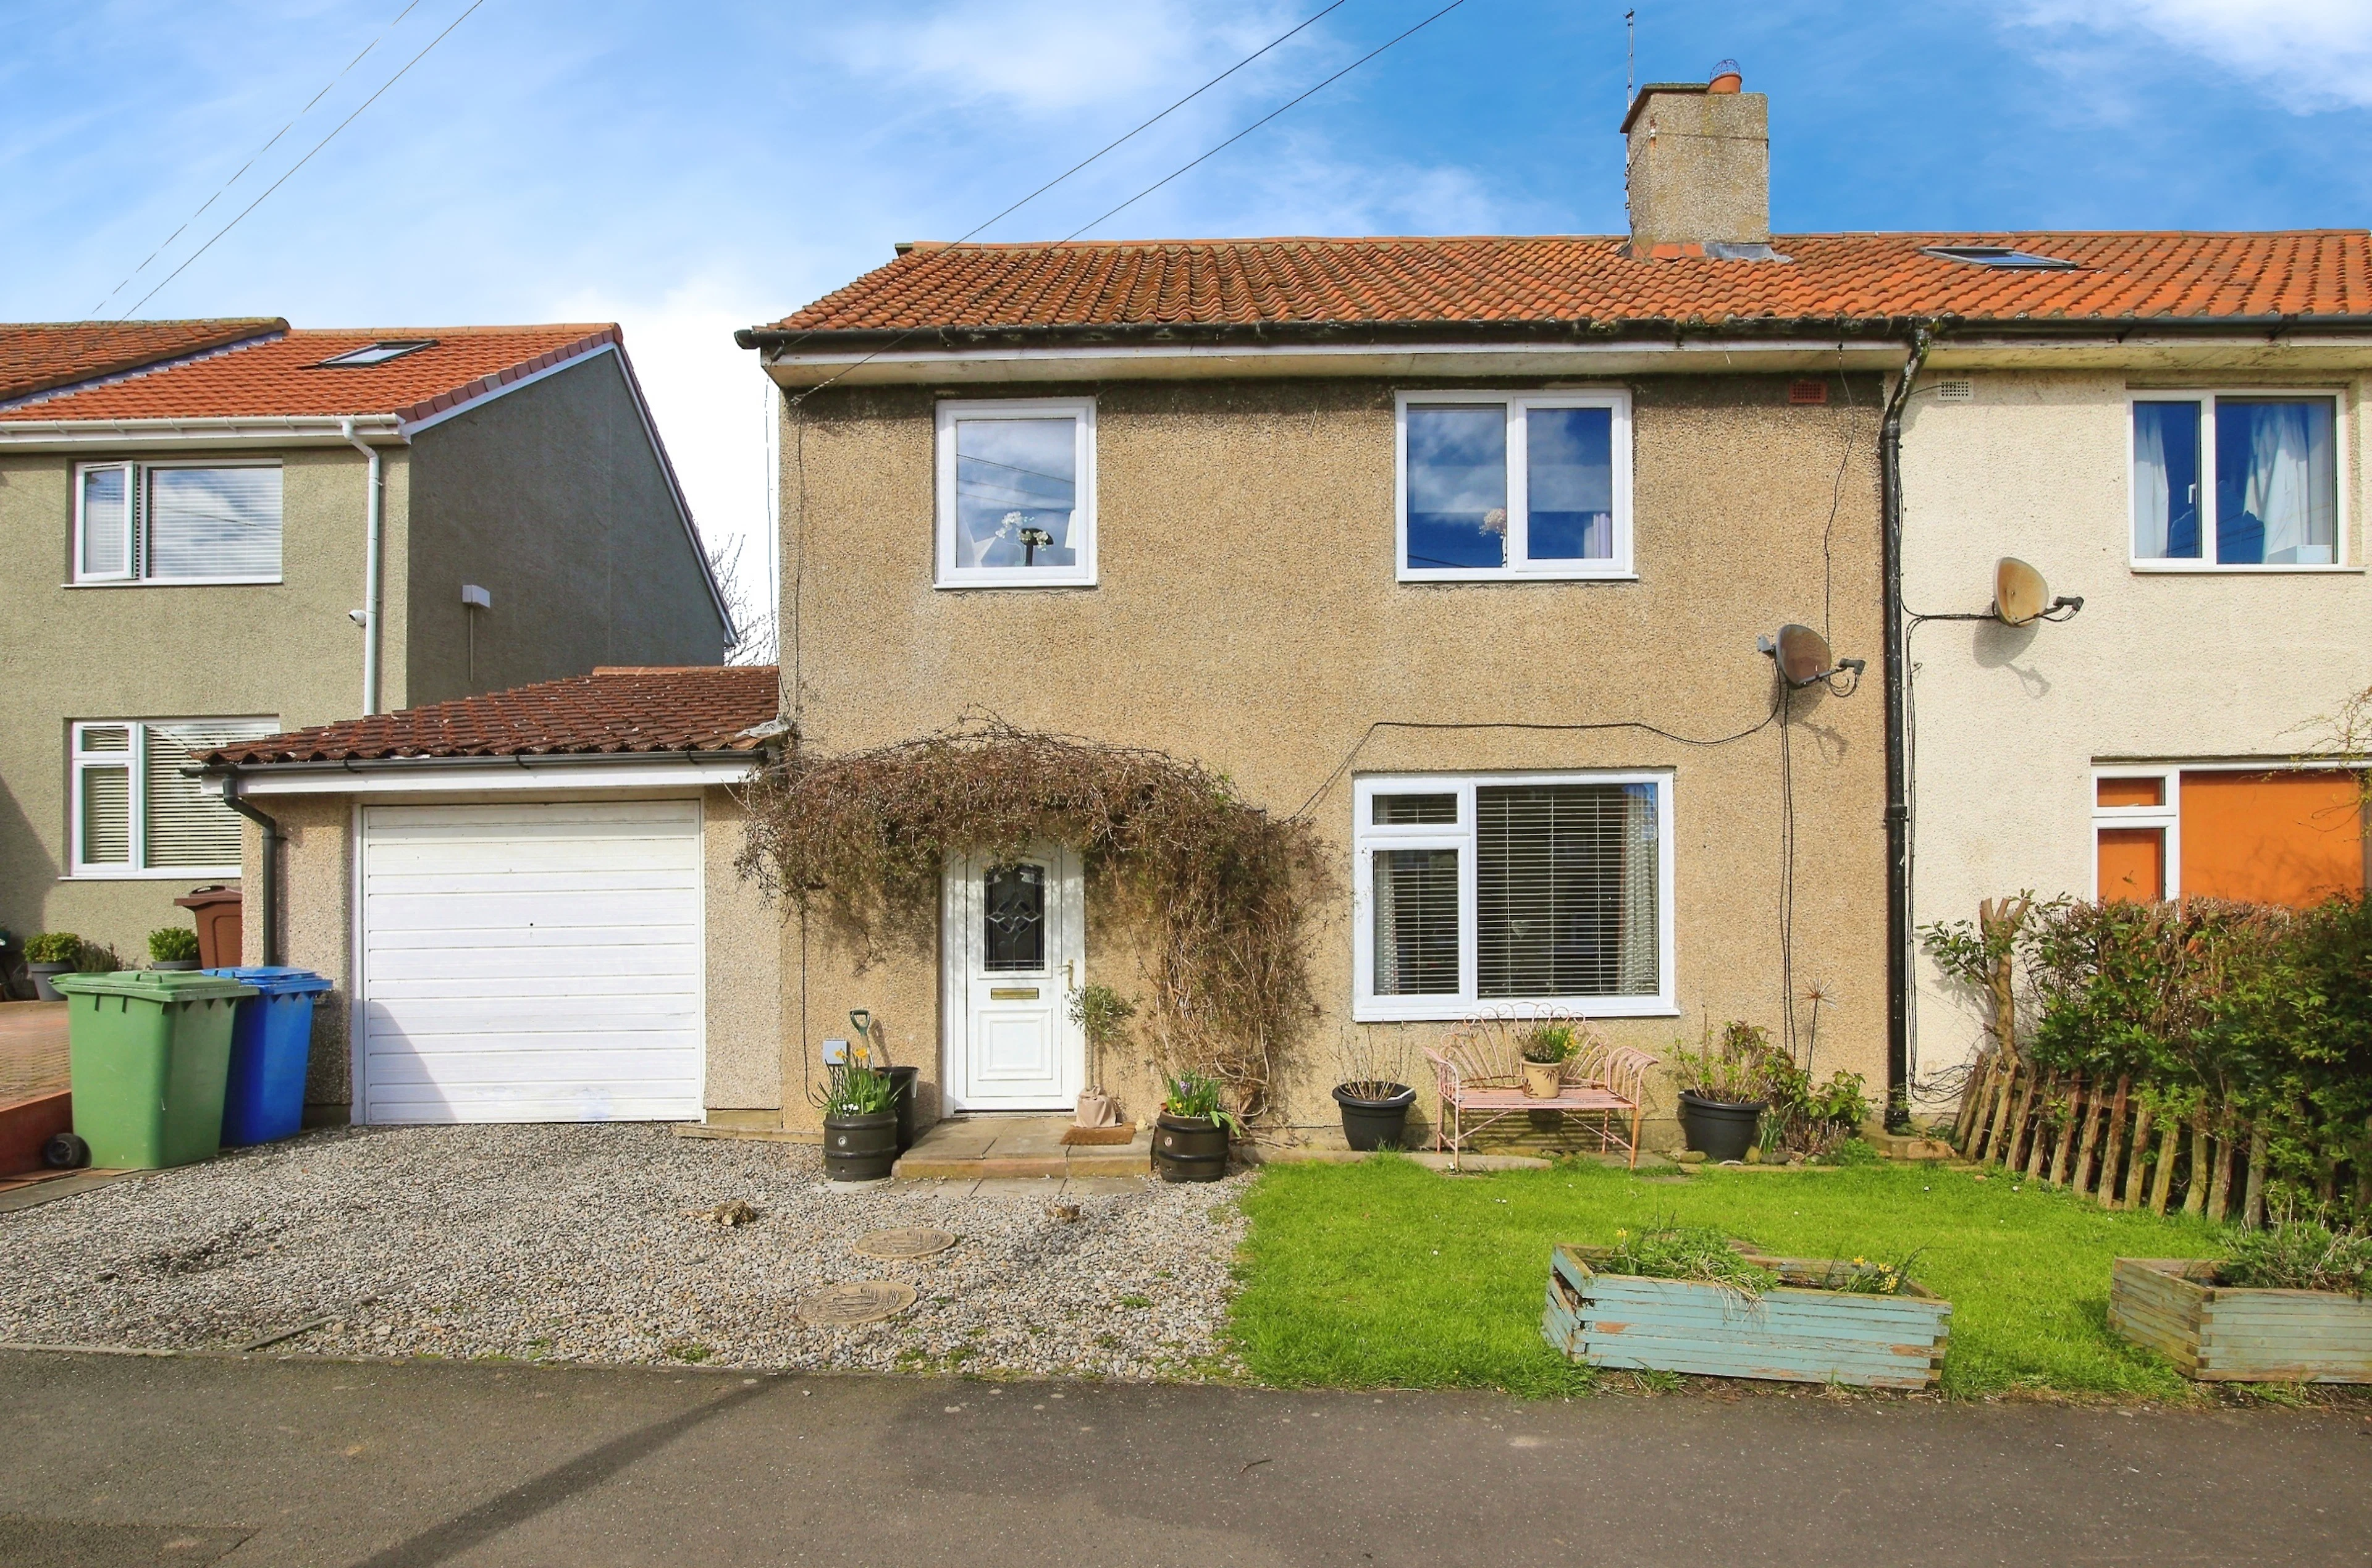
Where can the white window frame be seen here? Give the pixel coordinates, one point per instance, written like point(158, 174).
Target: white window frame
point(1081, 574)
point(2166, 815)
point(78, 759)
point(1368, 836)
point(2207, 397)
point(1521, 567)
point(134, 575)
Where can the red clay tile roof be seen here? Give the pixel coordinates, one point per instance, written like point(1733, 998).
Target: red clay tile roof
point(1576, 279)
point(283, 376)
point(38, 355)
point(614, 710)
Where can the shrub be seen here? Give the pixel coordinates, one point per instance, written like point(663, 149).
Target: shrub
point(2301, 1254)
point(53, 948)
point(1548, 1043)
point(1196, 1098)
point(173, 944)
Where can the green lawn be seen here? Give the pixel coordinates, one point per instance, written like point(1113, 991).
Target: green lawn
point(1384, 1273)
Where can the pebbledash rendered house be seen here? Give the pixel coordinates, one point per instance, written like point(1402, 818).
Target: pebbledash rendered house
point(1462, 551)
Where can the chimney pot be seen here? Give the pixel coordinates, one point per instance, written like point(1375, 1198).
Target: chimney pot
point(1726, 78)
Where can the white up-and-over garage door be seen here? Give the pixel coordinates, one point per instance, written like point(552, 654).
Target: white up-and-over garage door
point(535, 962)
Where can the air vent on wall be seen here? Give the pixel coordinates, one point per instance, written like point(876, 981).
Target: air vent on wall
point(1960, 391)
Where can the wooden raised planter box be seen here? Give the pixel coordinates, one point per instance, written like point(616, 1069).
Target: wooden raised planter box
point(2222, 1333)
point(1793, 1334)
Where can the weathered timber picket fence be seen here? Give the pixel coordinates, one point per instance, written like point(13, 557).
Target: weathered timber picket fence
point(2105, 1140)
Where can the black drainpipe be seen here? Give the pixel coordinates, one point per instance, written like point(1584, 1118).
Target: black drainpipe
point(1899, 955)
point(268, 906)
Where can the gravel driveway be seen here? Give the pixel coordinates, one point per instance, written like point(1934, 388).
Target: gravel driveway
point(576, 1243)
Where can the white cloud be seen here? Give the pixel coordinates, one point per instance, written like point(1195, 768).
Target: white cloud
point(2311, 55)
point(1047, 57)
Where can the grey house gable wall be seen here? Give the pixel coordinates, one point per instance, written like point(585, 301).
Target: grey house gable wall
point(554, 498)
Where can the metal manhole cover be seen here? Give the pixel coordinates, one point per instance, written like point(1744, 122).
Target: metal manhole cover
point(906, 1241)
point(862, 1301)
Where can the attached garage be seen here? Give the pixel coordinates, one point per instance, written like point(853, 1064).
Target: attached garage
point(527, 902)
point(530, 962)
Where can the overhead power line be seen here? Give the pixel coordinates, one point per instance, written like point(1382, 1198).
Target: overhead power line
point(167, 243)
point(1264, 119)
point(301, 162)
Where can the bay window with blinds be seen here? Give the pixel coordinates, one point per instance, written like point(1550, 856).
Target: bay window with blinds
point(176, 522)
point(1486, 892)
point(134, 813)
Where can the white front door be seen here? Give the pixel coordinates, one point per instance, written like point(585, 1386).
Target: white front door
point(1015, 946)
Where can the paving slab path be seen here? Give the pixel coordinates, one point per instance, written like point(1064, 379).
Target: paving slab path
point(253, 1462)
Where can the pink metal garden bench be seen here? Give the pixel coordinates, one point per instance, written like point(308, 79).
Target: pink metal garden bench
point(1478, 1078)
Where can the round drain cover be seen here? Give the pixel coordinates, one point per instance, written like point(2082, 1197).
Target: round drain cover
point(862, 1301)
point(906, 1241)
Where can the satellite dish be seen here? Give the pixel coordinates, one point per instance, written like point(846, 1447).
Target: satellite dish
point(2019, 593)
point(1803, 655)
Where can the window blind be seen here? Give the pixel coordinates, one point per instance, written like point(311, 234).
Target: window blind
point(185, 827)
point(1565, 890)
point(214, 522)
point(106, 816)
point(1416, 922)
point(106, 522)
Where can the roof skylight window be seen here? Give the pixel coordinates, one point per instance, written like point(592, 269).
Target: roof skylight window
point(1998, 256)
point(375, 353)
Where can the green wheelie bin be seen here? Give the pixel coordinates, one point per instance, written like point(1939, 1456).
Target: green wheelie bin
point(150, 1053)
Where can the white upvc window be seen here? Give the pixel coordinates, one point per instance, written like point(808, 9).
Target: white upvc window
point(2237, 481)
point(1016, 493)
point(176, 522)
point(1535, 892)
point(1496, 485)
point(134, 812)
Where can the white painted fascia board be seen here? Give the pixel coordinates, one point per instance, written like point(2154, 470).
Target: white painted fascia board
point(530, 773)
point(158, 434)
point(1136, 361)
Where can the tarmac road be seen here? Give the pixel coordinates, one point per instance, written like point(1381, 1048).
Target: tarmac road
point(109, 1460)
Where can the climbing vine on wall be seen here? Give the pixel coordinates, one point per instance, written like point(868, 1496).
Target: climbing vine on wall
point(1219, 890)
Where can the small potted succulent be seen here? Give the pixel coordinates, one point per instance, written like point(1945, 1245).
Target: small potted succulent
point(860, 1120)
point(1546, 1048)
point(1190, 1136)
point(48, 955)
point(1722, 1089)
point(172, 948)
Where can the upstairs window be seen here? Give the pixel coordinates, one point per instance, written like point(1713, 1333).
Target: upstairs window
point(176, 523)
point(1017, 489)
point(2235, 480)
point(1478, 893)
point(136, 814)
point(1505, 484)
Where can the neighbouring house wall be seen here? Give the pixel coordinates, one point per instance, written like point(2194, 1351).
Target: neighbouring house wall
point(317, 927)
point(2191, 666)
point(743, 983)
point(283, 650)
point(552, 498)
point(1247, 618)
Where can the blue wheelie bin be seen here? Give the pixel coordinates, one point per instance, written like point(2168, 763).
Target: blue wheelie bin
point(271, 1038)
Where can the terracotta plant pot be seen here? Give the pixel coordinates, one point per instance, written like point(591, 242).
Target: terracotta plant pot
point(1541, 1079)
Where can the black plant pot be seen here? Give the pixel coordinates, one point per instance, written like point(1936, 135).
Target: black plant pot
point(1376, 1123)
point(1722, 1129)
point(902, 1086)
point(1189, 1148)
point(860, 1148)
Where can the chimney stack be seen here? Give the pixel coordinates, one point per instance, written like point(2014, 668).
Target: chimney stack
point(1698, 170)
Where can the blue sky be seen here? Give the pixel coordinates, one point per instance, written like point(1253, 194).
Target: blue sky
point(687, 169)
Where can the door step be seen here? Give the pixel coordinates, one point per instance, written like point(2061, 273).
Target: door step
point(1018, 1146)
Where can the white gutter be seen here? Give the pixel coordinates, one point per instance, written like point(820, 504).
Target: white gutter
point(152, 435)
point(374, 528)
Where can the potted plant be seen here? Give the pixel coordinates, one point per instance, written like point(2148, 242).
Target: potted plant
point(172, 948)
point(1373, 1099)
point(1722, 1094)
point(860, 1123)
point(49, 954)
point(2292, 1305)
point(1546, 1048)
point(1190, 1136)
point(1686, 1298)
